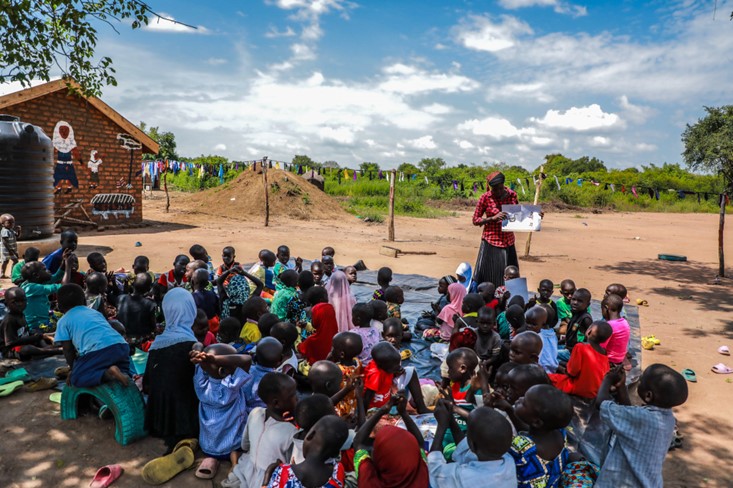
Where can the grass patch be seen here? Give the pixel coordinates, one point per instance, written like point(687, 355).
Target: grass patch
point(376, 206)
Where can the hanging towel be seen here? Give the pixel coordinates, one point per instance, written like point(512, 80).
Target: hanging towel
point(557, 182)
point(221, 174)
point(633, 190)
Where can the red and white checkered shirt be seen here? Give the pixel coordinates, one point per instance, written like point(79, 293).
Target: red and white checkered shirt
point(489, 205)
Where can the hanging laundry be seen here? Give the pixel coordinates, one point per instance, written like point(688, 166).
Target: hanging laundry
point(371, 175)
point(568, 181)
point(380, 175)
point(680, 195)
point(426, 181)
point(656, 194)
point(526, 180)
point(633, 190)
point(512, 185)
point(475, 187)
point(522, 186)
point(354, 178)
point(221, 174)
point(455, 185)
point(623, 189)
point(462, 187)
point(557, 182)
point(580, 181)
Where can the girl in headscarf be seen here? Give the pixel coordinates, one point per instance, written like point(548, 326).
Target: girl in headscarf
point(464, 274)
point(456, 294)
point(172, 409)
point(323, 319)
point(64, 174)
point(397, 459)
point(340, 296)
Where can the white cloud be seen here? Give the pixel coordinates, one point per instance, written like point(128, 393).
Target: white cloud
point(302, 52)
point(166, 23)
point(216, 61)
point(494, 127)
point(558, 6)
point(645, 147)
point(635, 113)
point(437, 109)
point(482, 34)
point(599, 141)
point(524, 91)
point(273, 33)
point(341, 135)
point(580, 119)
point(463, 144)
point(410, 80)
point(424, 142)
point(220, 147)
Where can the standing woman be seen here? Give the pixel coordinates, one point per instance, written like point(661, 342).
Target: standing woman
point(172, 410)
point(497, 249)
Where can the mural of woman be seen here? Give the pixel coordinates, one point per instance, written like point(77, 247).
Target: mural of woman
point(94, 161)
point(64, 175)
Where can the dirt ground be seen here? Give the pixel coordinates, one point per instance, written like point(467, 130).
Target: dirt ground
point(690, 314)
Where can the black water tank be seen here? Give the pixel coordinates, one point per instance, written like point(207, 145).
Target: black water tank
point(26, 176)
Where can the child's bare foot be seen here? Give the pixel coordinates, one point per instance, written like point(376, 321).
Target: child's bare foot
point(114, 373)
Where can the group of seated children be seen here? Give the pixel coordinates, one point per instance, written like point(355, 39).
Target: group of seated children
point(300, 385)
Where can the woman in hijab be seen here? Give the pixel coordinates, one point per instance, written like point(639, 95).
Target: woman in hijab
point(497, 249)
point(340, 296)
point(465, 274)
point(456, 294)
point(397, 459)
point(172, 409)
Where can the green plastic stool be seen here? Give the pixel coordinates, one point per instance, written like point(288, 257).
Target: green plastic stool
point(125, 403)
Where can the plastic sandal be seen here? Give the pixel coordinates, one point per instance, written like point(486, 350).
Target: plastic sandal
point(106, 475)
point(647, 344)
point(654, 340)
point(55, 397)
point(689, 375)
point(405, 354)
point(165, 468)
point(641, 302)
point(10, 388)
point(207, 469)
point(192, 444)
point(721, 368)
point(11, 376)
point(724, 350)
point(42, 384)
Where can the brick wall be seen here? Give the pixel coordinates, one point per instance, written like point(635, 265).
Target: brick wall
point(92, 131)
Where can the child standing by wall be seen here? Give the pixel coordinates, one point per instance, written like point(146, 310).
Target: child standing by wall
point(219, 381)
point(9, 234)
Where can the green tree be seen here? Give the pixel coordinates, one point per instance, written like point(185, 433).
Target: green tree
point(302, 160)
point(41, 37)
point(408, 168)
point(709, 147)
point(431, 166)
point(367, 167)
point(166, 141)
point(330, 164)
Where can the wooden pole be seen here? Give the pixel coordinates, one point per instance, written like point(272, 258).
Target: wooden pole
point(390, 228)
point(537, 189)
point(165, 187)
point(721, 226)
point(267, 191)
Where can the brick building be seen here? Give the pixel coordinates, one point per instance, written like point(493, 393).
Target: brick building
point(97, 153)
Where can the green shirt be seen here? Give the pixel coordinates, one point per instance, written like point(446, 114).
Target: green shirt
point(37, 310)
point(563, 309)
point(15, 272)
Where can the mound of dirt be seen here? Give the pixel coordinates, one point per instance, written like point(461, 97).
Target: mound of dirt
point(291, 196)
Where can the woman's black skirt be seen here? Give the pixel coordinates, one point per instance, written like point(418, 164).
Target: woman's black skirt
point(492, 261)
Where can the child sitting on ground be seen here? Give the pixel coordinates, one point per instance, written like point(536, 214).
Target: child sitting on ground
point(201, 329)
point(351, 274)
point(515, 318)
point(137, 312)
point(252, 310)
point(38, 284)
point(323, 319)
point(564, 311)
point(266, 322)
point(540, 455)
point(379, 314)
point(16, 342)
point(94, 351)
point(618, 345)
point(268, 357)
point(640, 435)
point(68, 241)
point(283, 263)
point(488, 341)
point(206, 300)
point(9, 243)
point(308, 411)
point(199, 253)
point(141, 264)
point(287, 334)
point(456, 294)
point(229, 330)
point(328, 268)
point(525, 348)
point(346, 348)
point(321, 445)
point(98, 264)
point(578, 323)
point(463, 382)
point(219, 382)
point(361, 316)
point(534, 316)
point(464, 327)
point(268, 436)
point(544, 296)
point(96, 294)
point(487, 290)
point(29, 255)
point(176, 277)
point(511, 272)
point(617, 289)
point(503, 326)
point(317, 272)
point(229, 261)
point(588, 364)
point(512, 381)
point(384, 278)
point(287, 304)
point(263, 271)
point(489, 436)
point(385, 375)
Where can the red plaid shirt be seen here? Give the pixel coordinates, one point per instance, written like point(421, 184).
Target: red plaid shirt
point(490, 206)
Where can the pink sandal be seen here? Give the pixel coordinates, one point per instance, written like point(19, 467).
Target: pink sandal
point(207, 469)
point(721, 368)
point(106, 475)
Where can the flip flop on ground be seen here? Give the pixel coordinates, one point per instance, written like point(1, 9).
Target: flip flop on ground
point(10, 388)
point(724, 350)
point(689, 375)
point(106, 475)
point(11, 376)
point(208, 468)
point(165, 468)
point(721, 368)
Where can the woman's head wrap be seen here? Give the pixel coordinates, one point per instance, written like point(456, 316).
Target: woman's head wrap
point(496, 178)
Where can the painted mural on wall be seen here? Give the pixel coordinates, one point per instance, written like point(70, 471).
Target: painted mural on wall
point(95, 160)
point(64, 175)
point(131, 144)
point(115, 205)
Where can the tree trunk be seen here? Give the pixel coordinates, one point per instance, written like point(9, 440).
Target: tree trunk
point(537, 189)
point(721, 226)
point(165, 187)
point(390, 226)
point(267, 192)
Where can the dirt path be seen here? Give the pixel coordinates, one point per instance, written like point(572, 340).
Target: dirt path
point(691, 316)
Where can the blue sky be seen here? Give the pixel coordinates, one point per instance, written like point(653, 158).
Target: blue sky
point(395, 81)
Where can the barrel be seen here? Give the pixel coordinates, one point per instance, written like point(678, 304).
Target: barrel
point(26, 177)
